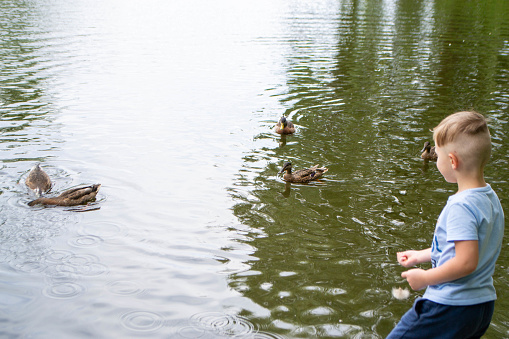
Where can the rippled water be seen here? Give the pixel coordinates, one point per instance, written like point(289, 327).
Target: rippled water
point(170, 106)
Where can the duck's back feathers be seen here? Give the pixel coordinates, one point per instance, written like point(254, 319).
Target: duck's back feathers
point(310, 173)
point(303, 175)
point(38, 180)
point(71, 197)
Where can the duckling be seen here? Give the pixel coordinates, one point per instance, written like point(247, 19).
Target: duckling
point(38, 180)
point(71, 197)
point(428, 152)
point(303, 175)
point(284, 126)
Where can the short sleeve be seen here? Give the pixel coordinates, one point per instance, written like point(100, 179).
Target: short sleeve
point(461, 223)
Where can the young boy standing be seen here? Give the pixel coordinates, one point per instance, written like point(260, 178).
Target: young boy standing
point(459, 299)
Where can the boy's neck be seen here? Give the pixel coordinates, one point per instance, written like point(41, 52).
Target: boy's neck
point(470, 180)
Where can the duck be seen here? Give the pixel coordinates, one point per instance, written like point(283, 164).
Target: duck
point(428, 152)
point(72, 197)
point(303, 175)
point(38, 180)
point(284, 126)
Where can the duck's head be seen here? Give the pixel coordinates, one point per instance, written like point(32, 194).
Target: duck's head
point(286, 166)
point(427, 146)
point(283, 122)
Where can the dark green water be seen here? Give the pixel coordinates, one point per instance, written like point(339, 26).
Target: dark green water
point(171, 105)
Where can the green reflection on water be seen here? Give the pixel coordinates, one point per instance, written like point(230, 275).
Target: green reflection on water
point(364, 96)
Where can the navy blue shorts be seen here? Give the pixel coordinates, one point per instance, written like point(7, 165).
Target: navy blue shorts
point(427, 319)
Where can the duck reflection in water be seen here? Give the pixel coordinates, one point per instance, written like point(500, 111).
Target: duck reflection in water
point(282, 140)
point(288, 189)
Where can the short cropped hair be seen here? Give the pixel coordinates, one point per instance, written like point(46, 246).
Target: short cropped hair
point(469, 128)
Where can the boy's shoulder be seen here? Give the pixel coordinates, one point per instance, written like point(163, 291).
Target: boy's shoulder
point(478, 200)
point(480, 206)
point(474, 195)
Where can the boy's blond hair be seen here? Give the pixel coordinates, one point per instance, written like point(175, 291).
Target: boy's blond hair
point(469, 132)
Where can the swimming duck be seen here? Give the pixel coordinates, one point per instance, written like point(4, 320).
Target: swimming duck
point(303, 175)
point(72, 197)
point(38, 180)
point(428, 152)
point(284, 126)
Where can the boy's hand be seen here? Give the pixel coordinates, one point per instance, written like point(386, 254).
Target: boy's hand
point(416, 278)
point(408, 258)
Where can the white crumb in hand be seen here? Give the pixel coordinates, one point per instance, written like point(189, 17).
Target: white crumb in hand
point(399, 293)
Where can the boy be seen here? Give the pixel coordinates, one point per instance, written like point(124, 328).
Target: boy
point(460, 297)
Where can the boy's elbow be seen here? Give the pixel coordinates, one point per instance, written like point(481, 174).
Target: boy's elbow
point(469, 267)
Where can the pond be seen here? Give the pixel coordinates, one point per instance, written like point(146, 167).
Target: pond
point(171, 107)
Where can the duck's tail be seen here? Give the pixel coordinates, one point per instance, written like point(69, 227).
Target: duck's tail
point(321, 169)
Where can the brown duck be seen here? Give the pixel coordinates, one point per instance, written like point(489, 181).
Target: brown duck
point(38, 180)
point(428, 152)
point(284, 126)
point(303, 175)
point(72, 197)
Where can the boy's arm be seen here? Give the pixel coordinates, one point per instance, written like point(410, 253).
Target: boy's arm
point(464, 263)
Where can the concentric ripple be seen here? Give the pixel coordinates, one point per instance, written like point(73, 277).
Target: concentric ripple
point(86, 241)
point(142, 321)
point(61, 273)
point(57, 256)
point(124, 287)
point(93, 269)
point(225, 325)
point(64, 290)
point(81, 259)
point(29, 266)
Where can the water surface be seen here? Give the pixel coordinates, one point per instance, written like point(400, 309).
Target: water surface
point(171, 107)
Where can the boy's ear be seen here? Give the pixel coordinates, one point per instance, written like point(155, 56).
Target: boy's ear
point(454, 161)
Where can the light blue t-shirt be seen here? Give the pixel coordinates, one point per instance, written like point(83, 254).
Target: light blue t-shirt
point(473, 214)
